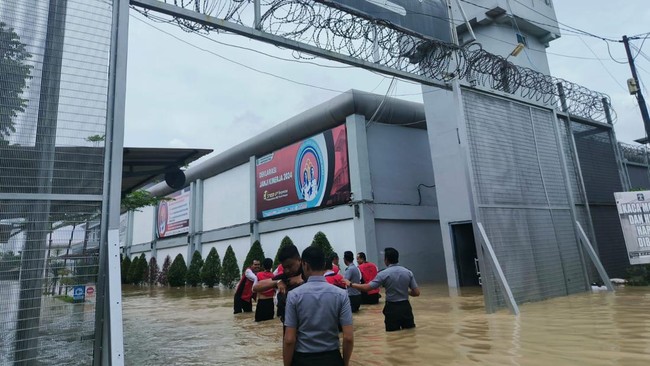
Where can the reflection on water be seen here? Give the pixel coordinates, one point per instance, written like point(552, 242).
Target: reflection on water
point(196, 327)
point(66, 330)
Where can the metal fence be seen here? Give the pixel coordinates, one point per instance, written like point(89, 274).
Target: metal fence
point(54, 65)
point(636, 160)
point(603, 174)
point(521, 196)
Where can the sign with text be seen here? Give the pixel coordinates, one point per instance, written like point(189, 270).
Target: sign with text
point(634, 212)
point(174, 215)
point(308, 174)
point(429, 19)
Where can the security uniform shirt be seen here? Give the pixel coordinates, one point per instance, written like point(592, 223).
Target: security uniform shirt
point(396, 280)
point(316, 309)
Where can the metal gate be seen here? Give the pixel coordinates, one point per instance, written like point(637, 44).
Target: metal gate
point(603, 174)
point(55, 58)
point(521, 198)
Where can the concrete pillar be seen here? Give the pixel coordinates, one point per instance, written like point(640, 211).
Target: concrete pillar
point(365, 238)
point(449, 151)
point(254, 223)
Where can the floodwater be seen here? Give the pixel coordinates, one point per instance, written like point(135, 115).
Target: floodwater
point(193, 326)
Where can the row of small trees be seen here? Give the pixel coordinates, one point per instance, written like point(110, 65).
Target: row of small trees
point(210, 272)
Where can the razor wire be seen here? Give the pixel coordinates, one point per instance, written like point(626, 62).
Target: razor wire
point(635, 154)
point(377, 41)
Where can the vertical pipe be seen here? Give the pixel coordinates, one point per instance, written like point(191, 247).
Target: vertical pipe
point(258, 14)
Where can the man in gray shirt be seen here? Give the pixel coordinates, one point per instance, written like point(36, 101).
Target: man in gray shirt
point(399, 283)
point(312, 317)
point(353, 275)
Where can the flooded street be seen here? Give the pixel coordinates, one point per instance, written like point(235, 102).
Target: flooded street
point(165, 326)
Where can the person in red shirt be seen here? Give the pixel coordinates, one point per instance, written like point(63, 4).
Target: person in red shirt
point(244, 294)
point(333, 278)
point(334, 258)
point(368, 273)
point(265, 307)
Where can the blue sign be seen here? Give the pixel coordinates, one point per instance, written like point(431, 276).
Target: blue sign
point(79, 293)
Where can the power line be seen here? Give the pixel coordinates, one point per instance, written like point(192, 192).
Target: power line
point(568, 28)
point(641, 47)
point(279, 58)
point(566, 25)
point(603, 65)
point(239, 63)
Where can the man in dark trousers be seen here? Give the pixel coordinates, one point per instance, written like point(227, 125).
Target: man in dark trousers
point(312, 317)
point(399, 283)
point(353, 275)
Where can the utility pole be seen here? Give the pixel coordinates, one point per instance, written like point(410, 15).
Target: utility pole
point(639, 95)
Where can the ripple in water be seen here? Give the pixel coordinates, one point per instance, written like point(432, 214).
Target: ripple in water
point(193, 326)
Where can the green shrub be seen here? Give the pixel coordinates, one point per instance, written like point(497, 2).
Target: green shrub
point(177, 272)
point(286, 241)
point(144, 269)
point(135, 274)
point(126, 265)
point(154, 271)
point(163, 277)
point(230, 270)
point(638, 275)
point(320, 241)
point(255, 253)
point(194, 272)
point(211, 271)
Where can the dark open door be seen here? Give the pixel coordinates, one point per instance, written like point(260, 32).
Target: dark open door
point(465, 253)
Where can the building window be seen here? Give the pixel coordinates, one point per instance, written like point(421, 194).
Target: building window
point(522, 39)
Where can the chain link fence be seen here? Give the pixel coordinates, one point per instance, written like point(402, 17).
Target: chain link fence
point(54, 63)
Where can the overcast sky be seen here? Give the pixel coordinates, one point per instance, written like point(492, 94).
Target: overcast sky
point(181, 96)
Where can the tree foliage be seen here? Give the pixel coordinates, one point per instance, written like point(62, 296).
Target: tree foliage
point(163, 277)
point(254, 253)
point(230, 270)
point(320, 241)
point(154, 271)
point(140, 198)
point(124, 269)
point(137, 270)
point(194, 272)
point(286, 241)
point(177, 272)
point(211, 271)
point(15, 73)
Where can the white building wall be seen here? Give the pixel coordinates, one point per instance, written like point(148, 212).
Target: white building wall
point(226, 198)
point(172, 252)
point(340, 235)
point(501, 39)
point(239, 245)
point(143, 225)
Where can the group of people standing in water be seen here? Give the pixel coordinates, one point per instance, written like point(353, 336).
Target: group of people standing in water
point(315, 301)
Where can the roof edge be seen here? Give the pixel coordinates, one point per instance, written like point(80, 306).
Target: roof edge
point(308, 123)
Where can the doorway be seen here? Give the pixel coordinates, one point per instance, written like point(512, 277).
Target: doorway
point(465, 254)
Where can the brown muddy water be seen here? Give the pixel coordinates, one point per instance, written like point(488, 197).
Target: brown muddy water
point(165, 326)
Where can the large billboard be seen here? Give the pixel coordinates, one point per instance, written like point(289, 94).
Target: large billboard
point(634, 212)
point(308, 174)
point(429, 19)
point(173, 215)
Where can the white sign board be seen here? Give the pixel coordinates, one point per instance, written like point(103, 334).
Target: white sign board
point(174, 215)
point(634, 212)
